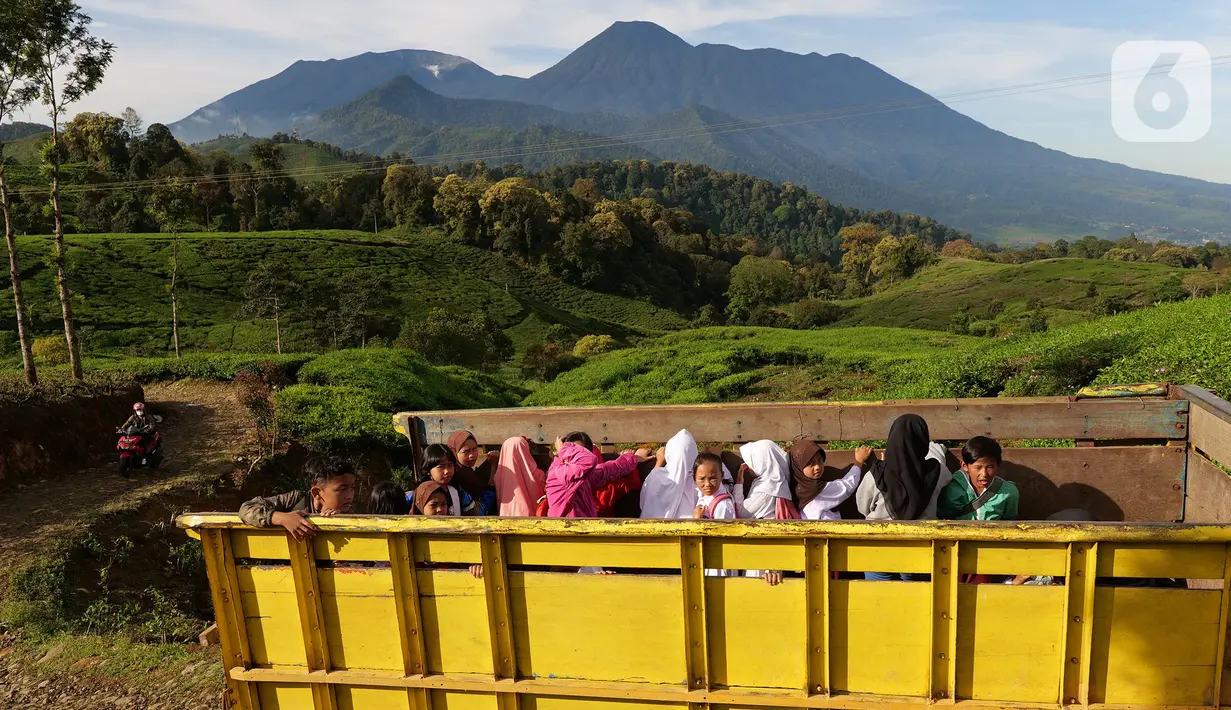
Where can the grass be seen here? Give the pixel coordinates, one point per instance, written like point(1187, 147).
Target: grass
point(1188, 342)
point(930, 300)
point(124, 305)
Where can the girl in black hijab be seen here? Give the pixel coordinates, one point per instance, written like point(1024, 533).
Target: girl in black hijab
point(905, 484)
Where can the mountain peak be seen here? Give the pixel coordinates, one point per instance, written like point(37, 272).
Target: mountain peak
point(640, 35)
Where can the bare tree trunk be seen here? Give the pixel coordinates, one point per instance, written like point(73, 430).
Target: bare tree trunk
point(175, 310)
point(19, 299)
point(66, 294)
point(278, 327)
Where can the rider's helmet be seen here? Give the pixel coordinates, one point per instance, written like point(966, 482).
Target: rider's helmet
point(139, 408)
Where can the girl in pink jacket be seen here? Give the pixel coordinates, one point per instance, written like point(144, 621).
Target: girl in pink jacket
point(577, 474)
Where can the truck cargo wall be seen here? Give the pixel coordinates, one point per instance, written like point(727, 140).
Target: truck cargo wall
point(40, 439)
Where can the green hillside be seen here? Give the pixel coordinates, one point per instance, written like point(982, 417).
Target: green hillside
point(308, 163)
point(26, 150)
point(930, 299)
point(122, 280)
point(1187, 342)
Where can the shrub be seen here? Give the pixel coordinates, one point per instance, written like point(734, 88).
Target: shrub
point(473, 340)
point(546, 361)
point(334, 419)
point(814, 313)
point(1169, 290)
point(203, 366)
point(592, 345)
point(1110, 305)
point(52, 350)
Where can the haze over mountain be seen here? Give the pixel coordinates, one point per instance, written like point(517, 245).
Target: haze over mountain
point(836, 124)
point(306, 88)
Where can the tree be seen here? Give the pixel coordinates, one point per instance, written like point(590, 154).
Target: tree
point(97, 139)
point(1178, 257)
point(1199, 284)
point(758, 283)
point(898, 258)
point(517, 214)
point(471, 340)
point(410, 193)
point(133, 124)
point(268, 294)
point(64, 62)
point(173, 204)
point(457, 204)
point(1122, 254)
point(858, 246)
point(15, 94)
point(963, 249)
point(365, 308)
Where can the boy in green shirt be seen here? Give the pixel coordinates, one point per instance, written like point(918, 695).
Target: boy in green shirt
point(978, 494)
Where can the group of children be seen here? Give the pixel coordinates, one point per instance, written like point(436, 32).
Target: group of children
point(910, 481)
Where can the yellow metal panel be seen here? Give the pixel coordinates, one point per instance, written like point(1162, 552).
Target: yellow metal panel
point(816, 579)
point(271, 615)
point(944, 619)
point(447, 549)
point(594, 552)
point(533, 703)
point(350, 547)
point(755, 554)
point(260, 544)
point(1179, 561)
point(913, 530)
point(351, 600)
point(880, 637)
point(455, 628)
point(1155, 646)
point(851, 556)
point(763, 641)
point(695, 610)
point(361, 698)
point(1008, 645)
point(284, 696)
point(1079, 623)
point(586, 626)
point(1035, 559)
point(452, 700)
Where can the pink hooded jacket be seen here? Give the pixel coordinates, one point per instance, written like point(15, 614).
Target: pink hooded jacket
point(576, 475)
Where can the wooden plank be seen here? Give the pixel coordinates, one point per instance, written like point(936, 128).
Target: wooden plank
point(1021, 418)
point(863, 531)
point(499, 612)
point(1208, 494)
point(1009, 559)
point(228, 610)
point(816, 578)
point(614, 552)
point(1211, 435)
point(944, 620)
point(1078, 637)
point(1162, 561)
point(312, 620)
point(1114, 483)
point(692, 590)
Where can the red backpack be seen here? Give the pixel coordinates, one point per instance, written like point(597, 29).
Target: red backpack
point(709, 511)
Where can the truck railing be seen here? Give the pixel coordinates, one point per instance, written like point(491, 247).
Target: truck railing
point(382, 612)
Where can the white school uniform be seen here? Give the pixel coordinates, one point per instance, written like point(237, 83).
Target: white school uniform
point(825, 505)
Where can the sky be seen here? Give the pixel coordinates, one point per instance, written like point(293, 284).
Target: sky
point(174, 56)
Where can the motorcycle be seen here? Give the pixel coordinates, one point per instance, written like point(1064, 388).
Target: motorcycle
point(138, 449)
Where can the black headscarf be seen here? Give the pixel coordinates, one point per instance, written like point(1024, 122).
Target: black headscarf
point(907, 478)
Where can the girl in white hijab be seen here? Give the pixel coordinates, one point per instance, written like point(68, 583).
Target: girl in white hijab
point(669, 491)
point(770, 495)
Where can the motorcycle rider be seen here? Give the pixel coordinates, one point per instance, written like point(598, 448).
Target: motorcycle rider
point(141, 422)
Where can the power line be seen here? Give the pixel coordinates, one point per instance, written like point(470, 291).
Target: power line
point(634, 139)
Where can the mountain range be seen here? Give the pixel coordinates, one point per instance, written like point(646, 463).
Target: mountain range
point(836, 124)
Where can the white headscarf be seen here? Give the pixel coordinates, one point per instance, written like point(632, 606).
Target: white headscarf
point(669, 492)
point(772, 466)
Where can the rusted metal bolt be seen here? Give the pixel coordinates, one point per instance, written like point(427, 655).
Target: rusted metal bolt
point(1073, 660)
point(1076, 619)
point(941, 656)
point(944, 570)
point(820, 689)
